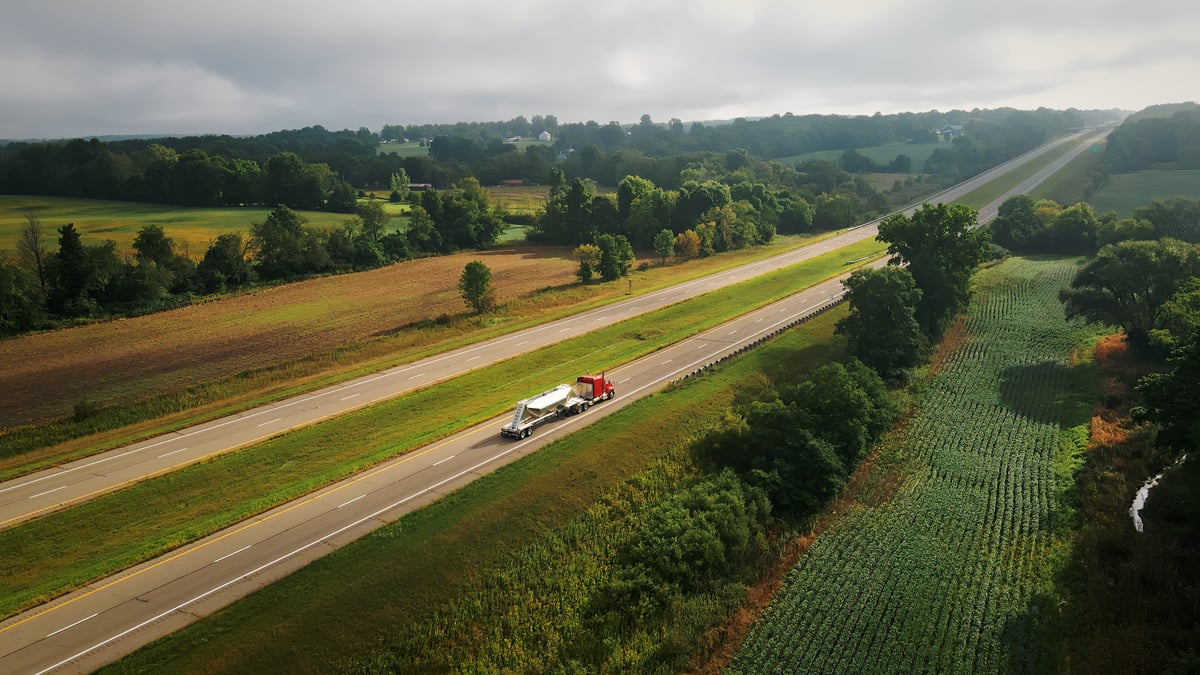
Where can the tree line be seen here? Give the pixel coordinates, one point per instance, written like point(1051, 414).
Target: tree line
point(1026, 225)
point(1162, 138)
point(220, 169)
point(46, 285)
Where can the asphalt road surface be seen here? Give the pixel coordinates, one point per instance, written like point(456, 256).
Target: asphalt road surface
point(95, 625)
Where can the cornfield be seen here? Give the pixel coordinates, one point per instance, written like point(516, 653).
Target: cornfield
point(954, 572)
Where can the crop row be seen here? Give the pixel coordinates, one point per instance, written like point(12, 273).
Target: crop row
point(943, 576)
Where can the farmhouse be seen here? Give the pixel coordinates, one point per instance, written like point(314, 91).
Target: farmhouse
point(545, 136)
point(950, 131)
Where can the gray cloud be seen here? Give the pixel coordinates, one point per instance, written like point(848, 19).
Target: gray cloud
point(137, 66)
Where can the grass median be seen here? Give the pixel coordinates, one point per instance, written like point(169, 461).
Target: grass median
point(46, 557)
point(986, 194)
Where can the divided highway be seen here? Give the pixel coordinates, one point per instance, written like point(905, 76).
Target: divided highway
point(68, 484)
point(112, 617)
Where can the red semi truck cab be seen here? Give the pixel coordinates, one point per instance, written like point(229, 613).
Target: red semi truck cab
point(600, 387)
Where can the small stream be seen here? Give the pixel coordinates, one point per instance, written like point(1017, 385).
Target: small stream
point(1143, 493)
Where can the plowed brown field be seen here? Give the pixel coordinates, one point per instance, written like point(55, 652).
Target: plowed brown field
point(43, 376)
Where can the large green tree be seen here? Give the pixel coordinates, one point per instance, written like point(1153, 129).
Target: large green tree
point(374, 219)
point(1127, 283)
point(1016, 221)
point(772, 450)
point(284, 247)
point(616, 256)
point(83, 273)
point(941, 245)
point(882, 326)
point(664, 245)
point(291, 181)
point(1178, 218)
point(475, 285)
point(847, 405)
point(1172, 398)
point(20, 298)
point(224, 265)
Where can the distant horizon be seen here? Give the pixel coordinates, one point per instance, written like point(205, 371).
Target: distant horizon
point(104, 137)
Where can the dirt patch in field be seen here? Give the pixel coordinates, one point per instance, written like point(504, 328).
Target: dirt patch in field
point(45, 375)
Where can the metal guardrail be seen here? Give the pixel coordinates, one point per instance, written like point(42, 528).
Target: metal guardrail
point(763, 339)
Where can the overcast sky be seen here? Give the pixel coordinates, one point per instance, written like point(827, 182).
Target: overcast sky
point(87, 67)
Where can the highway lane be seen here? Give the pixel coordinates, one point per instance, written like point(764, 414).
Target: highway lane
point(112, 617)
point(71, 483)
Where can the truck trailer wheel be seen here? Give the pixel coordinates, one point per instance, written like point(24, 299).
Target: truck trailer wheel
point(526, 433)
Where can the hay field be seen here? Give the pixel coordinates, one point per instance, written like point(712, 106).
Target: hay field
point(193, 229)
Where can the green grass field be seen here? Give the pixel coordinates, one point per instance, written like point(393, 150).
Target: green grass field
point(412, 149)
point(521, 199)
point(880, 154)
point(193, 229)
point(495, 577)
point(1127, 191)
point(526, 143)
point(947, 562)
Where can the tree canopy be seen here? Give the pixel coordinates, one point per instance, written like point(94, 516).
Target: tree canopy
point(1127, 283)
point(475, 285)
point(882, 326)
point(941, 245)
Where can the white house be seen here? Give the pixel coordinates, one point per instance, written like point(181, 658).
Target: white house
point(545, 136)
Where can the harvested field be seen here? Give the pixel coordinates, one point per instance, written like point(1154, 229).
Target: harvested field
point(46, 375)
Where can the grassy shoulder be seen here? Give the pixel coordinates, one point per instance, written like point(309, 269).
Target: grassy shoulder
point(158, 515)
point(464, 560)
